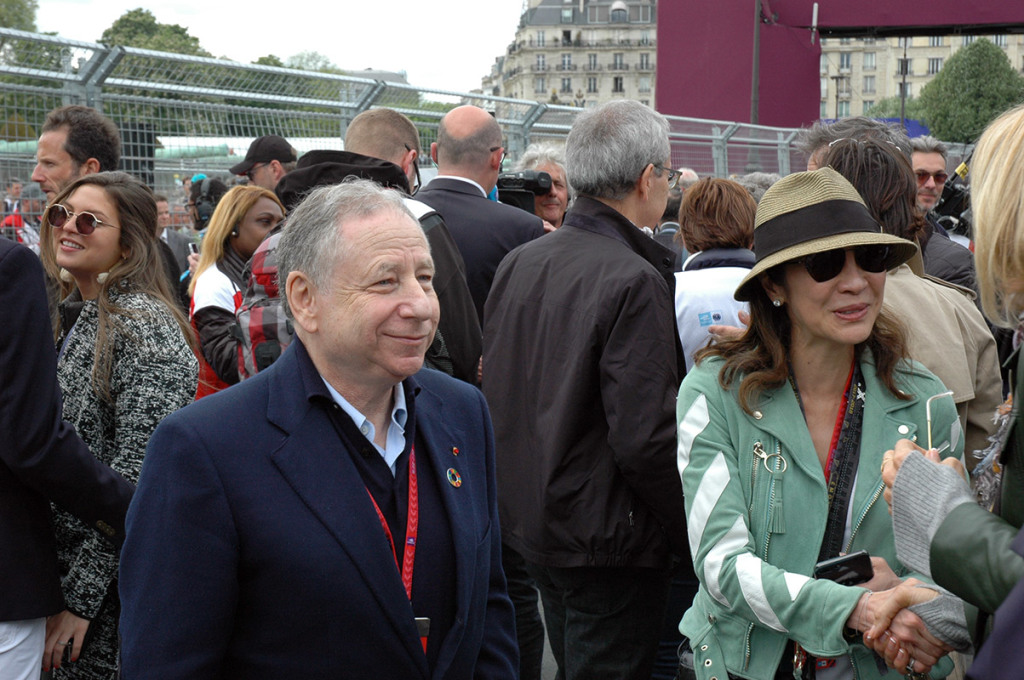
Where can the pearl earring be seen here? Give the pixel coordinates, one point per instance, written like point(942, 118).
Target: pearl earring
point(66, 276)
point(101, 278)
point(777, 303)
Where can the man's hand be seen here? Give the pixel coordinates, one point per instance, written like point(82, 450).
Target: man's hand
point(894, 632)
point(893, 459)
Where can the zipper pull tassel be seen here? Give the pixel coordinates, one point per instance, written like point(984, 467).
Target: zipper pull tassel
point(778, 521)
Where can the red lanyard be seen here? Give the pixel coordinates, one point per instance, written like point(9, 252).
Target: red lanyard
point(412, 524)
point(838, 428)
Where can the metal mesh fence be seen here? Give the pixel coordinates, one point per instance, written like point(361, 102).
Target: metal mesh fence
point(180, 115)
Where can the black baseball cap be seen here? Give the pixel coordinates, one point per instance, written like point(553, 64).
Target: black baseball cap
point(263, 150)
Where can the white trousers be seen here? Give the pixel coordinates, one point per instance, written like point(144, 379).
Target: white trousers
point(21, 649)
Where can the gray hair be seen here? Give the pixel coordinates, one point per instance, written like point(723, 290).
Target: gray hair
point(928, 144)
point(542, 153)
point(687, 178)
point(815, 138)
point(311, 241)
point(609, 147)
point(756, 183)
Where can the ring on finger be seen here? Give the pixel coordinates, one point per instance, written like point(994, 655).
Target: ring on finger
point(910, 666)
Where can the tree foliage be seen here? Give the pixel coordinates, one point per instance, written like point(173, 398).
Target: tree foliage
point(890, 108)
point(974, 86)
point(312, 61)
point(139, 28)
point(19, 14)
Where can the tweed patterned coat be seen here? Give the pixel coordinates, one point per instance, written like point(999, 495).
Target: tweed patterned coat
point(154, 373)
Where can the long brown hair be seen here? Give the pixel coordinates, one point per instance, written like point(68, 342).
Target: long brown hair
point(140, 270)
point(759, 358)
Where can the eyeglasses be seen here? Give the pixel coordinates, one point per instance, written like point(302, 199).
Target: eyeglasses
point(827, 265)
point(416, 168)
point(85, 222)
point(940, 177)
point(248, 175)
point(504, 153)
point(673, 175)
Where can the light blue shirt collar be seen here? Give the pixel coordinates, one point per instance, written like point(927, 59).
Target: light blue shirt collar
point(395, 443)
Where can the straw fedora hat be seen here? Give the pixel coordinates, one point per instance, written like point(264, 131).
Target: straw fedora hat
point(812, 212)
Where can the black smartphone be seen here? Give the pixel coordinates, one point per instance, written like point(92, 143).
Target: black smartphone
point(846, 570)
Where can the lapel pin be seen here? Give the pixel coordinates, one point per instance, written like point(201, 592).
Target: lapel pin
point(453, 478)
point(455, 450)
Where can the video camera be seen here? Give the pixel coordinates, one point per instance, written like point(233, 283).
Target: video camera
point(519, 188)
point(953, 211)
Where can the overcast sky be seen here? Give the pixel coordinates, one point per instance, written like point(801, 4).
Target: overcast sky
point(443, 44)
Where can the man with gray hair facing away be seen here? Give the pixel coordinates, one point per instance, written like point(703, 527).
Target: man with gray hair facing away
point(581, 368)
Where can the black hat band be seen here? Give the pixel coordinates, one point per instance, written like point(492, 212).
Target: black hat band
point(816, 221)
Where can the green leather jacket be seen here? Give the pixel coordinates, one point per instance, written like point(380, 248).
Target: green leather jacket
point(756, 506)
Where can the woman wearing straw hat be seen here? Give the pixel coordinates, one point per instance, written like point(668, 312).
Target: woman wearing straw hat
point(781, 436)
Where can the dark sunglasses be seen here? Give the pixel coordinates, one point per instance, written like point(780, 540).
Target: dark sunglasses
point(940, 177)
point(85, 222)
point(827, 265)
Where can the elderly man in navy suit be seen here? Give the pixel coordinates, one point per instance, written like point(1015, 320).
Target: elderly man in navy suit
point(334, 516)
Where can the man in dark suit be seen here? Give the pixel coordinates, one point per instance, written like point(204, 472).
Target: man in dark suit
point(42, 459)
point(468, 153)
point(333, 515)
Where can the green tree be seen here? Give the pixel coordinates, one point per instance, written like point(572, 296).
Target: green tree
point(19, 14)
point(890, 108)
point(312, 61)
point(269, 60)
point(974, 86)
point(139, 28)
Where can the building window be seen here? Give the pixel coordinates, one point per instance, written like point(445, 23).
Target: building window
point(869, 41)
point(935, 41)
point(541, 62)
point(566, 85)
point(824, 88)
point(539, 85)
point(869, 61)
point(592, 62)
point(566, 61)
point(591, 85)
point(845, 61)
point(617, 85)
point(823, 63)
point(868, 105)
point(645, 61)
point(645, 37)
point(643, 84)
point(844, 110)
point(844, 41)
point(900, 90)
point(567, 15)
point(618, 61)
point(999, 40)
point(967, 39)
point(620, 16)
point(823, 109)
point(903, 67)
point(566, 38)
point(904, 42)
point(540, 38)
point(869, 84)
point(934, 65)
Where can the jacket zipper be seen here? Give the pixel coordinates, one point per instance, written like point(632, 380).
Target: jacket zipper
point(863, 516)
point(762, 456)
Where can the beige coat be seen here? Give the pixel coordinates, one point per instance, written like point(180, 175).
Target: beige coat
point(949, 336)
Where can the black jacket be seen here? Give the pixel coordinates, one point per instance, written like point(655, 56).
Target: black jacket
point(581, 369)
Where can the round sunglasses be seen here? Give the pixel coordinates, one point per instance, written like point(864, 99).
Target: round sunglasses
point(826, 265)
point(85, 222)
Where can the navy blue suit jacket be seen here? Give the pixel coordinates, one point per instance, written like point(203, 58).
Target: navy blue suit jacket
point(42, 459)
point(253, 550)
point(484, 231)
